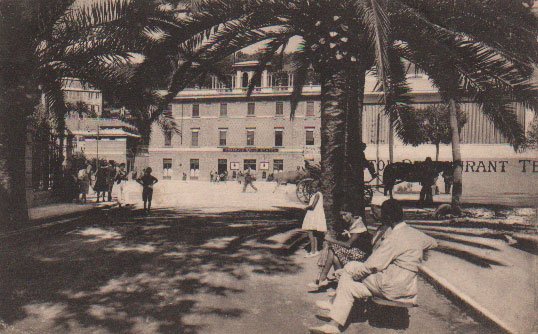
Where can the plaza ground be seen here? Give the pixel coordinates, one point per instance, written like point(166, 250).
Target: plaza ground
point(204, 261)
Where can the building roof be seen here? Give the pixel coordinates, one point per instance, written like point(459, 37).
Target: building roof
point(105, 133)
point(246, 63)
point(107, 127)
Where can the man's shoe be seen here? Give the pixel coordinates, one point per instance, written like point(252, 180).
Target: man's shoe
point(324, 317)
point(318, 285)
point(325, 329)
point(324, 305)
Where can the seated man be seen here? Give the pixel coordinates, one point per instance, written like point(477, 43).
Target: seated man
point(389, 273)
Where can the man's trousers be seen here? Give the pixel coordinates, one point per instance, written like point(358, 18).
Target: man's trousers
point(348, 290)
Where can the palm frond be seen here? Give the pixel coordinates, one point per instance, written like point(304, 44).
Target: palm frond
point(377, 24)
point(265, 56)
point(302, 62)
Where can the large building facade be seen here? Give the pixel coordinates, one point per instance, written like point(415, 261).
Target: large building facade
point(77, 91)
point(223, 130)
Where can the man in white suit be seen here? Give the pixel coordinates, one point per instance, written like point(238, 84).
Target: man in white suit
point(389, 273)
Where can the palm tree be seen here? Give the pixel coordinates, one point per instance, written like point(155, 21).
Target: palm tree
point(323, 25)
point(43, 41)
point(488, 60)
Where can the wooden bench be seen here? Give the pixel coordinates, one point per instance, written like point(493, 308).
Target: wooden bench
point(385, 313)
point(390, 303)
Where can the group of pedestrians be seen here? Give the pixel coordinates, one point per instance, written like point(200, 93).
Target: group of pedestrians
point(102, 179)
point(216, 177)
point(108, 175)
point(383, 265)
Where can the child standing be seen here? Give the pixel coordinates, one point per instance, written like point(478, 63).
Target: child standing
point(147, 181)
point(314, 220)
point(121, 180)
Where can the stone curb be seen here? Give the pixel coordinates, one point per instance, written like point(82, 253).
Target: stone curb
point(48, 222)
point(463, 298)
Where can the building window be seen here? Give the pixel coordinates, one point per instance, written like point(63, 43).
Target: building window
point(310, 137)
point(250, 137)
point(278, 166)
point(222, 137)
point(279, 111)
point(167, 169)
point(310, 108)
point(251, 109)
point(223, 109)
point(195, 110)
point(279, 136)
point(194, 168)
point(168, 138)
point(194, 137)
point(249, 163)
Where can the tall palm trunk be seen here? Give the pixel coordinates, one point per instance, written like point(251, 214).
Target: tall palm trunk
point(457, 188)
point(333, 131)
point(354, 182)
point(16, 107)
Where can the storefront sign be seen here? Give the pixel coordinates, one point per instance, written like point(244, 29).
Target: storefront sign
point(234, 165)
point(250, 149)
point(264, 165)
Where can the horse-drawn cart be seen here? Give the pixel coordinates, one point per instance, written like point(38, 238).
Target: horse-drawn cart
point(307, 186)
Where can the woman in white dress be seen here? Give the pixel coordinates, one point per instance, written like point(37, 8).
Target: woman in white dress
point(314, 220)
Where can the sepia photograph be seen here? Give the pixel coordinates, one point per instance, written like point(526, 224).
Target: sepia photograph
point(268, 166)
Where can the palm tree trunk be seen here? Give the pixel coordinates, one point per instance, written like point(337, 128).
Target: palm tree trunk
point(436, 151)
point(15, 108)
point(457, 188)
point(391, 142)
point(354, 192)
point(333, 131)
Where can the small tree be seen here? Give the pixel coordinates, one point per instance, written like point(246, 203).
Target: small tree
point(434, 124)
point(532, 134)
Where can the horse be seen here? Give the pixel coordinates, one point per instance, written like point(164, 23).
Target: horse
point(398, 172)
point(292, 177)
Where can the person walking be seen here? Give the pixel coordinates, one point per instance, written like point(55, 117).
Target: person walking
point(100, 186)
point(249, 178)
point(427, 181)
point(314, 221)
point(147, 181)
point(110, 178)
point(83, 176)
point(365, 163)
point(121, 180)
point(448, 178)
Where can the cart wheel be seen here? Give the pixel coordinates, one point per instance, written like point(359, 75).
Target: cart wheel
point(302, 190)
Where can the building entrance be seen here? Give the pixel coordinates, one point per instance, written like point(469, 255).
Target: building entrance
point(222, 166)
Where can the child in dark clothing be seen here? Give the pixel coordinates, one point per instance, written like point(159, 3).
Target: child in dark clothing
point(147, 181)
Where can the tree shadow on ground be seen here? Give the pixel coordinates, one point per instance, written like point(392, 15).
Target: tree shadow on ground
point(125, 272)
